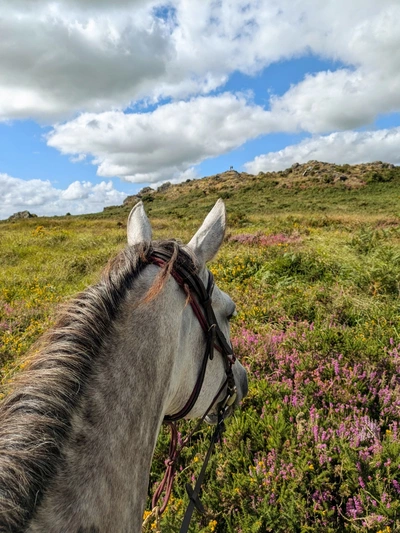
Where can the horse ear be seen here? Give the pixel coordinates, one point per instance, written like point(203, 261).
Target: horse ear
point(139, 228)
point(208, 239)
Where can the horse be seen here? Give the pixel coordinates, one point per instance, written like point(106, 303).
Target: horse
point(79, 427)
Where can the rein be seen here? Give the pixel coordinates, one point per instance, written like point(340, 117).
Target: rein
point(192, 285)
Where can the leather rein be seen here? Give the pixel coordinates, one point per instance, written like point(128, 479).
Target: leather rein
point(200, 299)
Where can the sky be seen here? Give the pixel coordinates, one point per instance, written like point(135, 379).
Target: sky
point(101, 98)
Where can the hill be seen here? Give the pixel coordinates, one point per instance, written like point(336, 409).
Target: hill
point(313, 187)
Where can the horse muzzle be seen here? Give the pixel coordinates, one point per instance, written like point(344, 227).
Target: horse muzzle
point(230, 402)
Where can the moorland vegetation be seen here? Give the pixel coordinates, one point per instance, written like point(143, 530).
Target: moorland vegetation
point(312, 260)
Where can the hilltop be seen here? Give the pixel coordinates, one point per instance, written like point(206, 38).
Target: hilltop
point(312, 186)
point(302, 176)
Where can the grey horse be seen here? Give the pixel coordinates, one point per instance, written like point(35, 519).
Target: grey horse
point(79, 428)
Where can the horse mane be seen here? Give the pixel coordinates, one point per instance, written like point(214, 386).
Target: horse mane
point(35, 417)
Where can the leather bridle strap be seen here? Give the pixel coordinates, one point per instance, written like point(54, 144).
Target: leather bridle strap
point(207, 319)
point(195, 492)
point(185, 277)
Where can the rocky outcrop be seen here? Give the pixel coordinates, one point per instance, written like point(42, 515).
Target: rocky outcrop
point(313, 173)
point(164, 186)
point(134, 198)
point(145, 190)
point(21, 214)
point(131, 200)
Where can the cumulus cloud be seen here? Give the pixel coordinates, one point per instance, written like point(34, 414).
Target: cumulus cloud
point(339, 100)
point(201, 43)
point(340, 147)
point(42, 198)
point(161, 145)
point(213, 39)
point(92, 55)
point(58, 59)
point(105, 59)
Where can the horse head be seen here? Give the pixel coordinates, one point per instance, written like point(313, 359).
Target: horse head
point(192, 359)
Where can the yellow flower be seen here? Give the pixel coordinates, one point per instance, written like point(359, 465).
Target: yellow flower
point(212, 525)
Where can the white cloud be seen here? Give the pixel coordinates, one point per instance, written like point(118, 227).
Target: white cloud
point(340, 100)
point(205, 42)
point(93, 55)
point(247, 36)
point(58, 59)
point(343, 147)
point(189, 174)
point(161, 145)
point(41, 198)
point(96, 57)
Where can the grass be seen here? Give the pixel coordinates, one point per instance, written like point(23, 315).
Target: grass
point(315, 273)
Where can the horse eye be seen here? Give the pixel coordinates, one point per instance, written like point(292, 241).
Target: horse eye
point(234, 313)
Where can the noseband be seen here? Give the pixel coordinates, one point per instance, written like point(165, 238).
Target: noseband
point(191, 284)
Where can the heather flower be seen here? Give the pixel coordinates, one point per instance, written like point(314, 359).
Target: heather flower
point(396, 485)
point(264, 240)
point(354, 507)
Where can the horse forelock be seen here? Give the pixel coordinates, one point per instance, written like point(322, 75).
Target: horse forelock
point(35, 418)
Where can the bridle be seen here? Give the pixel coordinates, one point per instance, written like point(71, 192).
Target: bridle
point(192, 284)
point(200, 299)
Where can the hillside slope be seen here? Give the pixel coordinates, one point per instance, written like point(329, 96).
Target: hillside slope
point(313, 187)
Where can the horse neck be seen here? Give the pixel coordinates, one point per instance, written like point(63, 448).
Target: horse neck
point(102, 483)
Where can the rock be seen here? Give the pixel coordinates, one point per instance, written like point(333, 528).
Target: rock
point(308, 169)
point(295, 165)
point(145, 190)
point(130, 200)
point(164, 186)
point(22, 214)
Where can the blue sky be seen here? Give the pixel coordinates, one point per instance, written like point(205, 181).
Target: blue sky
point(98, 102)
